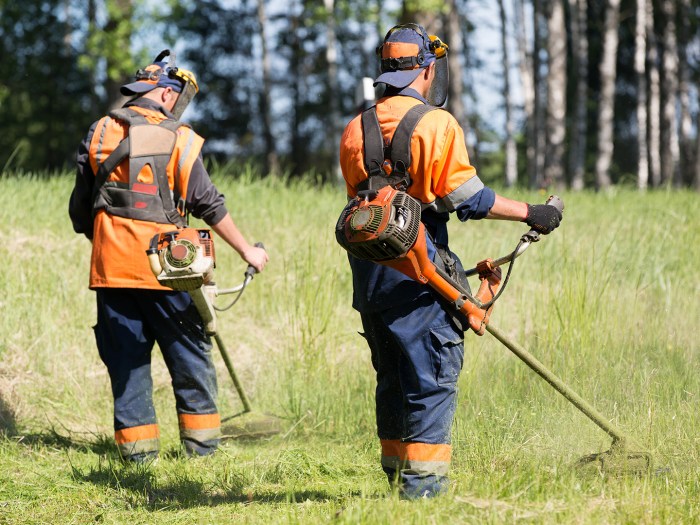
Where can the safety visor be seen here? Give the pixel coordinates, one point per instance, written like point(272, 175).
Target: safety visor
point(439, 88)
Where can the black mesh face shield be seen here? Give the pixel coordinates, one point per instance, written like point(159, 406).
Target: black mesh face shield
point(185, 77)
point(189, 90)
point(437, 95)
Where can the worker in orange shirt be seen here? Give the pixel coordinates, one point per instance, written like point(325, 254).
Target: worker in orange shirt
point(416, 339)
point(140, 173)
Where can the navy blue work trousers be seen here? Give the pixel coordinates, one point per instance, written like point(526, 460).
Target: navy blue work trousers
point(129, 322)
point(417, 352)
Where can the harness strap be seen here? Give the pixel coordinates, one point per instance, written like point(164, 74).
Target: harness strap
point(373, 142)
point(398, 151)
point(154, 147)
point(401, 142)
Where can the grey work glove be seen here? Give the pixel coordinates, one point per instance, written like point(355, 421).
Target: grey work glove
point(542, 218)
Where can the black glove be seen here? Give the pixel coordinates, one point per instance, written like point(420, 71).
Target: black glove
point(542, 218)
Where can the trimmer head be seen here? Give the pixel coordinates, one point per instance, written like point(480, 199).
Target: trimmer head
point(617, 461)
point(250, 425)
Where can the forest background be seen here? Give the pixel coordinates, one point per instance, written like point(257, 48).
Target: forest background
point(587, 93)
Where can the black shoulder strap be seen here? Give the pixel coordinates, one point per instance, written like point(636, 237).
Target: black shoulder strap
point(373, 142)
point(399, 151)
point(401, 143)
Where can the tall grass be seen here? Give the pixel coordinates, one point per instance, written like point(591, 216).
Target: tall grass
point(609, 302)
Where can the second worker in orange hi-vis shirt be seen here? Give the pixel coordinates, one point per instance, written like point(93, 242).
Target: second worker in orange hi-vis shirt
point(140, 173)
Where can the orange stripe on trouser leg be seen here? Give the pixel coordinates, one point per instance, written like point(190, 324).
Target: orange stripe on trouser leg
point(140, 433)
point(199, 421)
point(391, 447)
point(426, 452)
point(419, 458)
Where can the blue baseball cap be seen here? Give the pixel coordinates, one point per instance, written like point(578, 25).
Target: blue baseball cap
point(153, 76)
point(404, 53)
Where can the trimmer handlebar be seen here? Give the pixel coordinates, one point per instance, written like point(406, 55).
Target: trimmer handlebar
point(525, 241)
point(251, 271)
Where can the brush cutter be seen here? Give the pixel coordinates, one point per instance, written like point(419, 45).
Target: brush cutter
point(184, 260)
point(384, 226)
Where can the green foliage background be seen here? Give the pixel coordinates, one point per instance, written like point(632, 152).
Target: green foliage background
point(608, 302)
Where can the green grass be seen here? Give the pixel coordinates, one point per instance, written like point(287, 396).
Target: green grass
point(609, 302)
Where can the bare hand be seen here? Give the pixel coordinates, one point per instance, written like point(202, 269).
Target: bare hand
point(256, 257)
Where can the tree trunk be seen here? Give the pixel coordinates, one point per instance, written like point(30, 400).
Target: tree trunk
point(556, 96)
point(686, 121)
point(669, 91)
point(453, 36)
point(579, 128)
point(511, 152)
point(696, 176)
point(640, 51)
point(525, 65)
point(537, 171)
point(606, 109)
point(469, 90)
point(296, 80)
point(271, 162)
point(654, 112)
point(333, 115)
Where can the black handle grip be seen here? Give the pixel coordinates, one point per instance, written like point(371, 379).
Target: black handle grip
point(251, 271)
point(553, 200)
point(556, 201)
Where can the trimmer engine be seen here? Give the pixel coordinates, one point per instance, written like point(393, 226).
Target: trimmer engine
point(379, 225)
point(384, 226)
point(182, 259)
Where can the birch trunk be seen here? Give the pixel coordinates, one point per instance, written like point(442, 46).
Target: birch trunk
point(511, 152)
point(606, 110)
point(453, 36)
point(669, 91)
point(640, 51)
point(556, 96)
point(539, 131)
point(654, 112)
point(527, 83)
point(579, 128)
point(271, 162)
point(468, 91)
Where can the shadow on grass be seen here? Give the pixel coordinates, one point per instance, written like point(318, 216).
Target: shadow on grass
point(95, 443)
point(171, 482)
point(8, 423)
point(141, 486)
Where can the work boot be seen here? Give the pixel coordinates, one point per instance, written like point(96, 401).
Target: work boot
point(194, 448)
point(141, 458)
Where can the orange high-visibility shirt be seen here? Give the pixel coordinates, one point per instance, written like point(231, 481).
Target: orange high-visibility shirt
point(119, 244)
point(441, 173)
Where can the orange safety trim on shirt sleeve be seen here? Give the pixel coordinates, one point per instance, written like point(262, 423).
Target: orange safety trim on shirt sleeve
point(131, 434)
point(199, 421)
